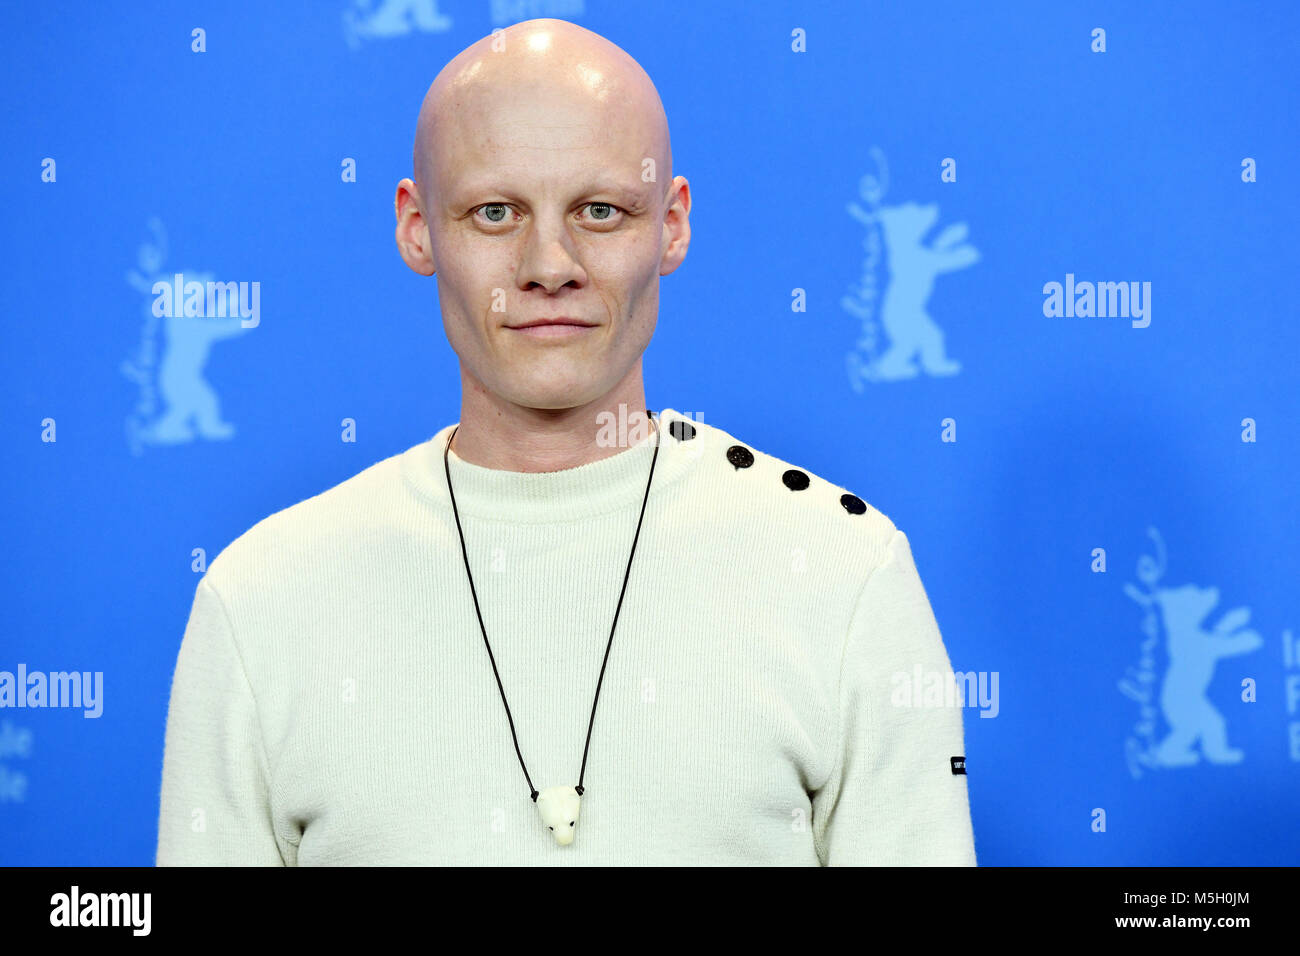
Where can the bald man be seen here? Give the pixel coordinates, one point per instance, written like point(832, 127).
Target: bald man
point(566, 628)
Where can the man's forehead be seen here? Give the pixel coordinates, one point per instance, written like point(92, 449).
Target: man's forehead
point(585, 157)
point(523, 180)
point(492, 136)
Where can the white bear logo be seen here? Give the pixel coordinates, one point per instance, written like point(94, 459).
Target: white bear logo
point(1192, 653)
point(895, 237)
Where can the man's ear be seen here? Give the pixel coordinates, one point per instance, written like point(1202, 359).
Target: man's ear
point(677, 225)
point(412, 231)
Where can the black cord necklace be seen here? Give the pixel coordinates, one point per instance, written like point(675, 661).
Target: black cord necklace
point(558, 806)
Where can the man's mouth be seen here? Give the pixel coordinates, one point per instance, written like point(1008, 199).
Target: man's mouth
point(559, 320)
point(561, 328)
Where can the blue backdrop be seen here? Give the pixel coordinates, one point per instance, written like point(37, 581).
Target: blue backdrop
point(1101, 499)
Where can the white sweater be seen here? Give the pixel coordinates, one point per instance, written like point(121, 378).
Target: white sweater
point(334, 703)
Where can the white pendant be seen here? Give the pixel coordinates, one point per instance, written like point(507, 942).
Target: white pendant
point(559, 809)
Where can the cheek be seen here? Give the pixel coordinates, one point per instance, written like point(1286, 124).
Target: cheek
point(471, 275)
point(627, 265)
point(462, 257)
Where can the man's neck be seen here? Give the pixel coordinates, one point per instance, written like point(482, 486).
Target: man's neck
point(494, 433)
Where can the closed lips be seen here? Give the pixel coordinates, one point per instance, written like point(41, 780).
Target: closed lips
point(536, 322)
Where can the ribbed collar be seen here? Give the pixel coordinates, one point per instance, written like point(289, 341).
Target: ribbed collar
point(596, 488)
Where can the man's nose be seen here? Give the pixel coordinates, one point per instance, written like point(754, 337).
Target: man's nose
point(549, 256)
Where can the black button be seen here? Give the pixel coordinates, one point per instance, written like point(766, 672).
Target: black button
point(852, 504)
point(682, 431)
point(740, 456)
point(795, 480)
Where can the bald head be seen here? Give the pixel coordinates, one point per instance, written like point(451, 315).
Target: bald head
point(538, 85)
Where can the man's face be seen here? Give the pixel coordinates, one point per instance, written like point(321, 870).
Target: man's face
point(538, 208)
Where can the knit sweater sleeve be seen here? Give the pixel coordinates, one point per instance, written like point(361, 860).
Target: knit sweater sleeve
point(215, 805)
point(892, 798)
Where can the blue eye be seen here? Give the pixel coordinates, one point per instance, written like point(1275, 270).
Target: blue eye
point(603, 212)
